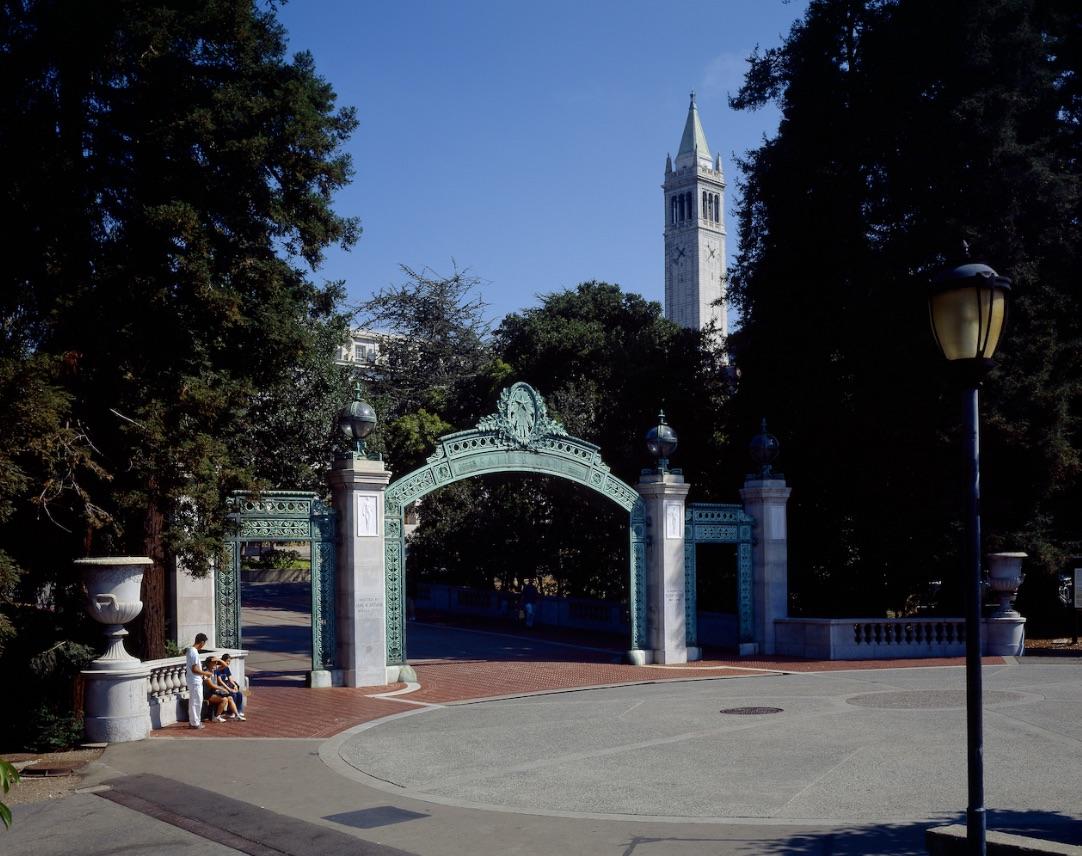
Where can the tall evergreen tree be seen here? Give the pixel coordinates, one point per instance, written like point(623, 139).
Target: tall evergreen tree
point(908, 126)
point(168, 176)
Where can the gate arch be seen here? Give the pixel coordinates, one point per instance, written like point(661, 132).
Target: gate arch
point(519, 437)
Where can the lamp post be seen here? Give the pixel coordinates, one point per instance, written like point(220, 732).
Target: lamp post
point(967, 307)
point(661, 442)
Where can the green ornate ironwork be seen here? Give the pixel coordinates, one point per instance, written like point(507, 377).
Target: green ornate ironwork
point(280, 516)
point(519, 437)
point(715, 523)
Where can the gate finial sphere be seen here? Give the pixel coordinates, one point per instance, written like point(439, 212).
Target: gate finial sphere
point(764, 449)
point(661, 441)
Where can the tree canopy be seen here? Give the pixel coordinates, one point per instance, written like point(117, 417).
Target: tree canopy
point(908, 126)
point(169, 175)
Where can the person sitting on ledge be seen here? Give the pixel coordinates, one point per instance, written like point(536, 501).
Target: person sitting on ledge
point(225, 680)
point(217, 695)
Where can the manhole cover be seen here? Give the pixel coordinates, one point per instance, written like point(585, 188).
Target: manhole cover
point(750, 711)
point(928, 699)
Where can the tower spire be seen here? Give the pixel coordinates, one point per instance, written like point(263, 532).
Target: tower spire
point(693, 146)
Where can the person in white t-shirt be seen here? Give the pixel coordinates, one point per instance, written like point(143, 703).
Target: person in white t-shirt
point(194, 674)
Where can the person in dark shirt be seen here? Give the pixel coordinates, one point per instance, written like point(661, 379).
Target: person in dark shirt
point(225, 679)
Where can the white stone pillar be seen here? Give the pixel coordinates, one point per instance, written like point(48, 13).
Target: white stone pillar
point(765, 500)
point(360, 591)
point(191, 607)
point(665, 495)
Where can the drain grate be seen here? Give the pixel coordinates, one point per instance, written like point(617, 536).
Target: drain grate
point(51, 771)
point(750, 711)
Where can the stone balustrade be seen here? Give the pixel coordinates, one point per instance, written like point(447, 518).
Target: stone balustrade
point(870, 638)
point(167, 688)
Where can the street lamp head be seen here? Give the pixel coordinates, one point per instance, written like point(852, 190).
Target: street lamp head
point(967, 307)
point(661, 441)
point(357, 420)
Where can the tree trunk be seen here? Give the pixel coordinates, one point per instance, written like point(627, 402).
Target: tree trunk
point(152, 640)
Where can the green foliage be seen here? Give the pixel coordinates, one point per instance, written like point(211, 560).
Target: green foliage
point(436, 344)
point(605, 361)
point(513, 526)
point(161, 333)
point(8, 777)
point(412, 437)
point(43, 720)
point(887, 157)
point(279, 558)
point(52, 731)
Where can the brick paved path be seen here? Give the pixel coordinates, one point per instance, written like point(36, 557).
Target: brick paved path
point(295, 711)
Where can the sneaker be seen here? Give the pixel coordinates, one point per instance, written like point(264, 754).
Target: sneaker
point(218, 719)
point(200, 725)
point(231, 716)
point(241, 717)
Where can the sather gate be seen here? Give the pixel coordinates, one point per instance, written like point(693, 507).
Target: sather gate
point(280, 516)
point(519, 437)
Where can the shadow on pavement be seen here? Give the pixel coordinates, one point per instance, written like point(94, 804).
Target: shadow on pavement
point(279, 678)
point(900, 838)
point(289, 597)
point(279, 639)
point(434, 636)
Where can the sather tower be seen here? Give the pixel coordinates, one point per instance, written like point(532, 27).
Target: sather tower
point(694, 231)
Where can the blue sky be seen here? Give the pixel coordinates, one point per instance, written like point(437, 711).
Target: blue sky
point(526, 142)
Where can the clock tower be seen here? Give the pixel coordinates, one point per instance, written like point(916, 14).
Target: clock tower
point(695, 232)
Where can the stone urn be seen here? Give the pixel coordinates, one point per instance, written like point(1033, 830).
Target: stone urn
point(116, 682)
point(112, 597)
point(1005, 627)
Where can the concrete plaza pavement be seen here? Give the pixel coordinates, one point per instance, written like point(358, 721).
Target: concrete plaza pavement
point(859, 761)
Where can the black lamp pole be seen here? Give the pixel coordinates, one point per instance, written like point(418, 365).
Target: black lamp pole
point(967, 306)
point(976, 823)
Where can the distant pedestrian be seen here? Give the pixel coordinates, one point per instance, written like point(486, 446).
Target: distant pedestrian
point(193, 676)
point(530, 597)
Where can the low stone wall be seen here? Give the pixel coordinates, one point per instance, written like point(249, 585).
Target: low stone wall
point(167, 689)
point(869, 638)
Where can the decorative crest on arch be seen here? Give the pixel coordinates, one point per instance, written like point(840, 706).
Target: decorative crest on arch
point(521, 418)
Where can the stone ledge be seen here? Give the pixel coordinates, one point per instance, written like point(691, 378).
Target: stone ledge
point(950, 840)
